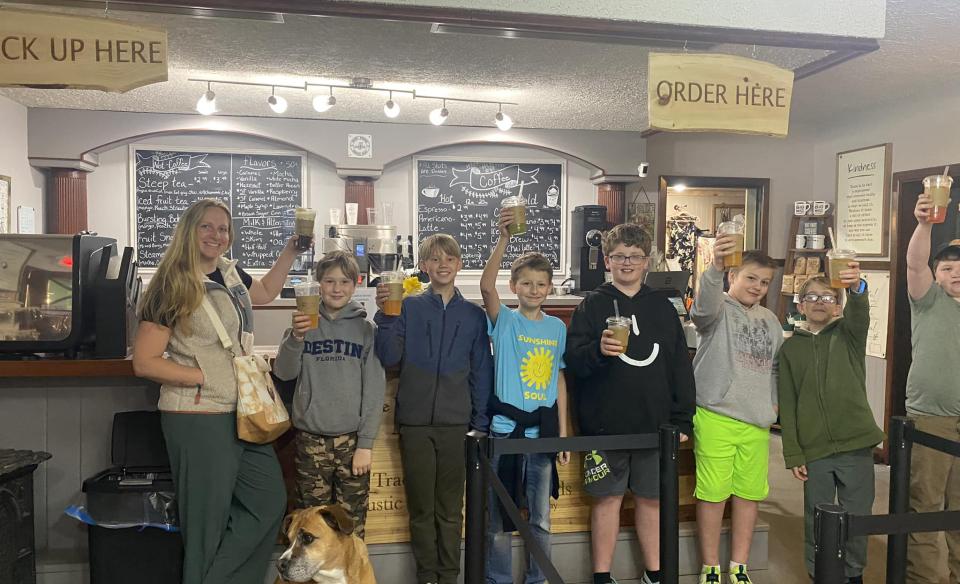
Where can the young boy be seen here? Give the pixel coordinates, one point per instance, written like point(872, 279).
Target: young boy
point(446, 377)
point(822, 374)
point(736, 403)
point(933, 400)
point(629, 390)
point(530, 400)
point(339, 397)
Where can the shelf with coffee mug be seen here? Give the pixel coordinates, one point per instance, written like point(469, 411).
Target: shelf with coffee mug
point(807, 249)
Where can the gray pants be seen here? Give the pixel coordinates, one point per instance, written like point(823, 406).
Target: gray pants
point(847, 479)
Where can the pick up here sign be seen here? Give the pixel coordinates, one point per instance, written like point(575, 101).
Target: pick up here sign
point(718, 93)
point(59, 51)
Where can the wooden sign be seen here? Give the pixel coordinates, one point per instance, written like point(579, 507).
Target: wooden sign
point(863, 200)
point(59, 51)
point(691, 92)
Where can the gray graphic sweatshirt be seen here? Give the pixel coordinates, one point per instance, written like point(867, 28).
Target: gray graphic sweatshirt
point(341, 382)
point(734, 366)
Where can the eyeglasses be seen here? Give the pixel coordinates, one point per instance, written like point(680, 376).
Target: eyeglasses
point(619, 258)
point(825, 298)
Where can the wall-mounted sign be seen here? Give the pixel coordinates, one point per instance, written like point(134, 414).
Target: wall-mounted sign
point(360, 145)
point(60, 51)
point(863, 200)
point(691, 92)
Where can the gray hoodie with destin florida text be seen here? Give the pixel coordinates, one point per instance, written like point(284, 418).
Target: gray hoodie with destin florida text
point(341, 382)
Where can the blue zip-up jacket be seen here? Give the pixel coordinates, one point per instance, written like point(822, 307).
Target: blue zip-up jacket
point(446, 367)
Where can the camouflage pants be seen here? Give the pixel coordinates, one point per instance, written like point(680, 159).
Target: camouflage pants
point(325, 476)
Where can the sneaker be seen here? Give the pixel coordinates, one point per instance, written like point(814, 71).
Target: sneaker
point(646, 579)
point(740, 576)
point(710, 576)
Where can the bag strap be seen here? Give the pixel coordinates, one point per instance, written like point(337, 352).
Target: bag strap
point(225, 339)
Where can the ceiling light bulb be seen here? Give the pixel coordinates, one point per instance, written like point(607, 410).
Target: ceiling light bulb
point(439, 116)
point(680, 187)
point(207, 104)
point(391, 109)
point(503, 121)
point(277, 104)
point(322, 103)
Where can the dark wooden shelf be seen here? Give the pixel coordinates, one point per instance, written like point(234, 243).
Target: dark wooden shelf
point(808, 250)
point(67, 368)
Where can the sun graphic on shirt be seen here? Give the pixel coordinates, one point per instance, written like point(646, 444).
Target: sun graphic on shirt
point(537, 368)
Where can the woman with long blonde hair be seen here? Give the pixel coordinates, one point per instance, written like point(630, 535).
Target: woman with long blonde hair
point(230, 493)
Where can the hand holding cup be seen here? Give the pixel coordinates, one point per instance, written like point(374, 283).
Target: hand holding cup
point(609, 345)
point(506, 218)
point(301, 324)
point(726, 245)
point(383, 292)
point(850, 276)
point(924, 208)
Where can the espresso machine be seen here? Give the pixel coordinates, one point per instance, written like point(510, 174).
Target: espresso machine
point(373, 246)
point(586, 267)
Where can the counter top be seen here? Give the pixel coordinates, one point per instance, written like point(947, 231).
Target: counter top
point(509, 300)
point(67, 368)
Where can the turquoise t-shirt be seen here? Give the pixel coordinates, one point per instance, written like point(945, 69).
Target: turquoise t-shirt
point(529, 356)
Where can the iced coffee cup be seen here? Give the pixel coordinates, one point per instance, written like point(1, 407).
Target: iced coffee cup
point(731, 228)
point(937, 187)
point(394, 282)
point(304, 219)
point(518, 205)
point(308, 301)
point(620, 327)
point(837, 262)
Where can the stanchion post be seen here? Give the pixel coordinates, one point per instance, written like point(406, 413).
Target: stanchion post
point(900, 453)
point(476, 498)
point(830, 525)
point(669, 505)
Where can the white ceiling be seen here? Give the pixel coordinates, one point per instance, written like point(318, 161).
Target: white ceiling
point(558, 83)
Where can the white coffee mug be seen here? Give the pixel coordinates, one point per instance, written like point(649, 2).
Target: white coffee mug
point(820, 207)
point(816, 241)
point(801, 241)
point(801, 207)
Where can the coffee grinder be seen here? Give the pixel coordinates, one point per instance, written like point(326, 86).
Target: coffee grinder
point(587, 268)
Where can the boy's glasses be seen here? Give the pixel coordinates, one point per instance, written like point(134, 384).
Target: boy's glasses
point(825, 298)
point(619, 258)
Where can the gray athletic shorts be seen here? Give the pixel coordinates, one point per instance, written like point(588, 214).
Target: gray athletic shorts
point(637, 470)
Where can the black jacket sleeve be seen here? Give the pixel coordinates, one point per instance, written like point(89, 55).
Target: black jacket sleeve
point(582, 356)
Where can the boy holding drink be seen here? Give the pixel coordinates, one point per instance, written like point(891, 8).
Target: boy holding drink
point(530, 399)
point(822, 374)
point(736, 402)
point(933, 401)
point(446, 376)
point(628, 388)
point(339, 397)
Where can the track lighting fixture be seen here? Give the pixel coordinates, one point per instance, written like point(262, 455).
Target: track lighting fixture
point(207, 104)
point(502, 120)
point(439, 115)
point(276, 102)
point(391, 109)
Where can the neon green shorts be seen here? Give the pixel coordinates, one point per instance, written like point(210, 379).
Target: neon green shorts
point(732, 458)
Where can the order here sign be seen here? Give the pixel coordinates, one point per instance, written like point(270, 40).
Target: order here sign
point(59, 51)
point(690, 92)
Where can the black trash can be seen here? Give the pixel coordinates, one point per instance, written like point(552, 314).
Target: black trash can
point(133, 507)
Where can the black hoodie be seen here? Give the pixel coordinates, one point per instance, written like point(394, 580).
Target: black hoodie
point(650, 385)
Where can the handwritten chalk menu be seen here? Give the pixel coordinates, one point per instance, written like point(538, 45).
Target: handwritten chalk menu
point(261, 189)
point(462, 199)
point(863, 200)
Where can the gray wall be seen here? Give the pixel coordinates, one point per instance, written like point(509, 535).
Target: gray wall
point(26, 183)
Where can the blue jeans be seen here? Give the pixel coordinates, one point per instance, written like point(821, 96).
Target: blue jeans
point(499, 565)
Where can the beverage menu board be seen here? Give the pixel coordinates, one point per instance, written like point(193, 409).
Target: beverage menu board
point(261, 189)
point(462, 199)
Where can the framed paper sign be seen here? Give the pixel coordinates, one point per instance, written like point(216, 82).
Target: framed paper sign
point(5, 204)
point(863, 200)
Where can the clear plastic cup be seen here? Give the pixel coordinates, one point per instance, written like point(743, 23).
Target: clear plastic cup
point(937, 187)
point(352, 209)
point(308, 301)
point(336, 214)
point(620, 326)
point(304, 221)
point(394, 282)
point(837, 260)
point(519, 207)
point(734, 260)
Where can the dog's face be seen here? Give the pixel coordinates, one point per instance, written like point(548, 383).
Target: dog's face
point(316, 536)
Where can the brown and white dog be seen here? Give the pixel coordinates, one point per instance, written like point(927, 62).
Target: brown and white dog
point(323, 549)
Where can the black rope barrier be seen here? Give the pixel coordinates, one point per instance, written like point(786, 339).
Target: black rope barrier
point(833, 526)
point(481, 478)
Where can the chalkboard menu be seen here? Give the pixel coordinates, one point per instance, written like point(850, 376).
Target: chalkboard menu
point(462, 199)
point(261, 189)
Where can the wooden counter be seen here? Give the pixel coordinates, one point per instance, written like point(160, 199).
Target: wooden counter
point(67, 368)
